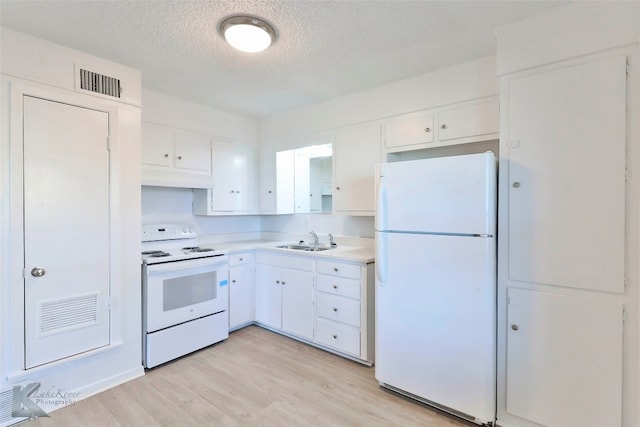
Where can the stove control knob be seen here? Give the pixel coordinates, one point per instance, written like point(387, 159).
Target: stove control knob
point(192, 230)
point(185, 229)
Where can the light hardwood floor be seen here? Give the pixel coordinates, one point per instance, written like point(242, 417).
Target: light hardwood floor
point(254, 378)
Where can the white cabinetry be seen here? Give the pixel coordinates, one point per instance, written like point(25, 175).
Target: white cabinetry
point(276, 181)
point(562, 244)
point(564, 359)
point(284, 293)
point(355, 154)
point(456, 124)
point(344, 308)
point(175, 157)
point(234, 181)
point(241, 290)
point(324, 302)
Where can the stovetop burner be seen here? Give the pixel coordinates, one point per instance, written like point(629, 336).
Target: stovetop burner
point(155, 254)
point(190, 249)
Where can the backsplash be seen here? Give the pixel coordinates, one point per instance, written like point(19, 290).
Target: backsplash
point(165, 204)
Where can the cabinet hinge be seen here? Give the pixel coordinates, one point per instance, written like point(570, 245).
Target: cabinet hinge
point(624, 315)
point(628, 67)
point(626, 281)
point(627, 175)
point(108, 143)
point(109, 303)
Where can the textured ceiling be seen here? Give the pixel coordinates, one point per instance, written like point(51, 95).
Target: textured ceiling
point(324, 49)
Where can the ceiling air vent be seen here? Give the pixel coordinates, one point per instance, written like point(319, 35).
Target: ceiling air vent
point(99, 83)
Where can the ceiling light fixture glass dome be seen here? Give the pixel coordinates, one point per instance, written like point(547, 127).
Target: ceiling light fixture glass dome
point(247, 33)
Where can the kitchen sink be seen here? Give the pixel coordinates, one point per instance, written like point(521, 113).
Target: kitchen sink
point(308, 247)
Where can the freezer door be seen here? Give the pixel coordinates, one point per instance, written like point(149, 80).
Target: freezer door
point(454, 194)
point(436, 320)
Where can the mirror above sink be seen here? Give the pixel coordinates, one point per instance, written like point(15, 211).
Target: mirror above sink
point(311, 172)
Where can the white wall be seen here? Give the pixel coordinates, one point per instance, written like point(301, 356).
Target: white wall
point(37, 66)
point(316, 124)
point(467, 81)
point(163, 204)
point(169, 111)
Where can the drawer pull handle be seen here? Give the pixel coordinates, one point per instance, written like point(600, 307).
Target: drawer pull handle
point(335, 308)
point(335, 269)
point(335, 286)
point(233, 281)
point(278, 282)
point(335, 336)
point(241, 259)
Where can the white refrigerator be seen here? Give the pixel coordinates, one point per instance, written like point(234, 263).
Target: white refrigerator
point(436, 282)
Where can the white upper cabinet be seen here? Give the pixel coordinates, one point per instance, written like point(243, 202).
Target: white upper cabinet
point(356, 152)
point(234, 189)
point(191, 151)
point(410, 129)
point(455, 124)
point(470, 120)
point(567, 176)
point(276, 181)
point(175, 158)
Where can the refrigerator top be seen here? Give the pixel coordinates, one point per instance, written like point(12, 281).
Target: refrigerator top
point(446, 195)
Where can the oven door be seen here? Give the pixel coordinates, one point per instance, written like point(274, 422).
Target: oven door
point(176, 292)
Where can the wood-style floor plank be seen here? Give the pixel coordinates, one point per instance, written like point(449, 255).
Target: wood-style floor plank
point(254, 378)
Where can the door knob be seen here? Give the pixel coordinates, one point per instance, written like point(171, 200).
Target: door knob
point(514, 327)
point(37, 271)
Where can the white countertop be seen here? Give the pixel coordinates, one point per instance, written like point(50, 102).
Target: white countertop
point(363, 254)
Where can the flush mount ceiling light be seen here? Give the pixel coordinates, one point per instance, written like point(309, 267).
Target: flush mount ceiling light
point(247, 33)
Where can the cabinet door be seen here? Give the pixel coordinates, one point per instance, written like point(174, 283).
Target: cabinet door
point(566, 171)
point(234, 176)
point(469, 120)
point(66, 300)
point(267, 184)
point(268, 296)
point(355, 154)
point(241, 295)
point(157, 146)
point(564, 359)
point(409, 130)
point(192, 152)
point(297, 303)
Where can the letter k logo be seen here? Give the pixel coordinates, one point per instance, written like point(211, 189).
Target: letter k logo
point(22, 405)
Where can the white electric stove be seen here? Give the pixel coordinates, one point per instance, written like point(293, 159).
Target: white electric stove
point(185, 293)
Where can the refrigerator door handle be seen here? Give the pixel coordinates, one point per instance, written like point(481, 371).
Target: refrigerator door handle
point(381, 202)
point(381, 258)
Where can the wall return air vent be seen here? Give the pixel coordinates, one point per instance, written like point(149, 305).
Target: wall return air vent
point(98, 83)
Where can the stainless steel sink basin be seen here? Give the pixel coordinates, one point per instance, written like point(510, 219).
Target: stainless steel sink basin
point(308, 247)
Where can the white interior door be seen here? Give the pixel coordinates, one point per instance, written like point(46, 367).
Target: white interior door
point(66, 230)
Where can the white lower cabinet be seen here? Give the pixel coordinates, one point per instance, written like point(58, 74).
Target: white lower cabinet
point(284, 293)
point(241, 290)
point(344, 308)
point(564, 358)
point(324, 302)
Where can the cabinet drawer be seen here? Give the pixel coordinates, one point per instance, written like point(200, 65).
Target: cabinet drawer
point(338, 336)
point(339, 286)
point(338, 308)
point(334, 268)
point(238, 259)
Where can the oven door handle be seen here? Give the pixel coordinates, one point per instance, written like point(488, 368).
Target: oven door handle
point(186, 264)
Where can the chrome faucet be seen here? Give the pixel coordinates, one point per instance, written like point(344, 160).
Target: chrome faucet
point(315, 238)
point(332, 242)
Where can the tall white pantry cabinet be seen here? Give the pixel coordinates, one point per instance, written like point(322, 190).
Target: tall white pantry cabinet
point(568, 243)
